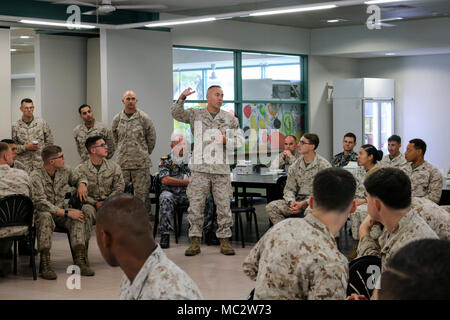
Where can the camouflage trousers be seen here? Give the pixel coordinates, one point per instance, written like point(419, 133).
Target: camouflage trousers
point(279, 210)
point(357, 217)
point(90, 217)
point(197, 191)
point(141, 184)
point(46, 223)
point(168, 201)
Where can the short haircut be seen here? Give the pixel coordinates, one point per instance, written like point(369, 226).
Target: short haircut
point(83, 106)
point(419, 144)
point(50, 151)
point(8, 141)
point(214, 86)
point(334, 189)
point(391, 185)
point(125, 212)
point(3, 148)
point(292, 136)
point(26, 100)
point(418, 271)
point(313, 138)
point(371, 150)
point(350, 135)
point(395, 138)
point(91, 141)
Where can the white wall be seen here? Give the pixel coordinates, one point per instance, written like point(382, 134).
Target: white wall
point(323, 70)
point(5, 84)
point(61, 86)
point(21, 65)
point(93, 84)
point(141, 61)
point(422, 100)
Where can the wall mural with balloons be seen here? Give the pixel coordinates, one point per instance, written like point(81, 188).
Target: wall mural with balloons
point(272, 123)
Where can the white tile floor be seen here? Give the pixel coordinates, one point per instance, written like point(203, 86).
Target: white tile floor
point(219, 277)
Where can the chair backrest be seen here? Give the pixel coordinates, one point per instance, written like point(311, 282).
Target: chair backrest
point(16, 210)
point(281, 183)
point(129, 188)
point(369, 269)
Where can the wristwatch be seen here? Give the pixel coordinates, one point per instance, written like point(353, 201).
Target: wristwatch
point(66, 213)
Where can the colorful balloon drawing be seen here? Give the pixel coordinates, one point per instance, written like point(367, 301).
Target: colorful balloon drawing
point(247, 111)
point(287, 123)
point(262, 124)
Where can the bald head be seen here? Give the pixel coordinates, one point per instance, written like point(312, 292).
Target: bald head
point(129, 92)
point(129, 100)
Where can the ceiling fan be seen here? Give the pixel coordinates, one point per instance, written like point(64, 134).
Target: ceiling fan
point(106, 6)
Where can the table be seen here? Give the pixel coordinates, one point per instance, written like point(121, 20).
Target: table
point(256, 180)
point(445, 197)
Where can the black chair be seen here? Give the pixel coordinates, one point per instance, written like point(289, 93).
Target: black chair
point(129, 188)
point(249, 210)
point(251, 295)
point(361, 270)
point(17, 211)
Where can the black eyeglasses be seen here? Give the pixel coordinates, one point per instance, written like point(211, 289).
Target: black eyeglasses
point(101, 146)
point(60, 157)
point(303, 142)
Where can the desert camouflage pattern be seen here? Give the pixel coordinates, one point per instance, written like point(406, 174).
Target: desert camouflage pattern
point(297, 259)
point(18, 165)
point(135, 139)
point(22, 134)
point(357, 217)
point(197, 192)
point(159, 279)
point(435, 216)
point(410, 227)
point(280, 163)
point(48, 197)
point(102, 183)
point(81, 133)
point(341, 160)
point(298, 186)
point(398, 162)
point(426, 181)
point(141, 183)
point(203, 154)
point(13, 181)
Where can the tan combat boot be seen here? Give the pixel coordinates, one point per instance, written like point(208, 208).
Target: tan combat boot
point(80, 260)
point(194, 247)
point(225, 247)
point(45, 268)
point(352, 255)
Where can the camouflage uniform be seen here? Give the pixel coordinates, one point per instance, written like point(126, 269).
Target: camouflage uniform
point(398, 162)
point(159, 279)
point(135, 139)
point(297, 259)
point(18, 165)
point(81, 133)
point(426, 181)
point(175, 196)
point(206, 173)
point(298, 186)
point(280, 163)
point(22, 134)
point(435, 216)
point(102, 183)
point(410, 227)
point(341, 160)
point(12, 181)
point(48, 197)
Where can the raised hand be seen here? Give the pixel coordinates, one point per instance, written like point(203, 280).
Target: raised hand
point(185, 93)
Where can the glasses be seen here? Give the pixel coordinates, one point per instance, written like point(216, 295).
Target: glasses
point(103, 145)
point(60, 157)
point(303, 142)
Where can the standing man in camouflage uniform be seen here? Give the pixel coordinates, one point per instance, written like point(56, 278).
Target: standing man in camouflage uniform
point(395, 159)
point(16, 163)
point(104, 176)
point(91, 128)
point(299, 181)
point(174, 175)
point(31, 136)
point(426, 179)
point(49, 186)
point(299, 258)
point(215, 131)
point(12, 181)
point(135, 137)
point(342, 159)
point(389, 203)
point(288, 156)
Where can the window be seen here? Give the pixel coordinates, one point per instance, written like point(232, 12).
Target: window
point(268, 92)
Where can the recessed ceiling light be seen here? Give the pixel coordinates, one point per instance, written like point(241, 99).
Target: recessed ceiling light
point(382, 1)
point(391, 54)
point(333, 21)
point(58, 24)
point(291, 10)
point(26, 37)
point(177, 22)
point(392, 19)
point(12, 50)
